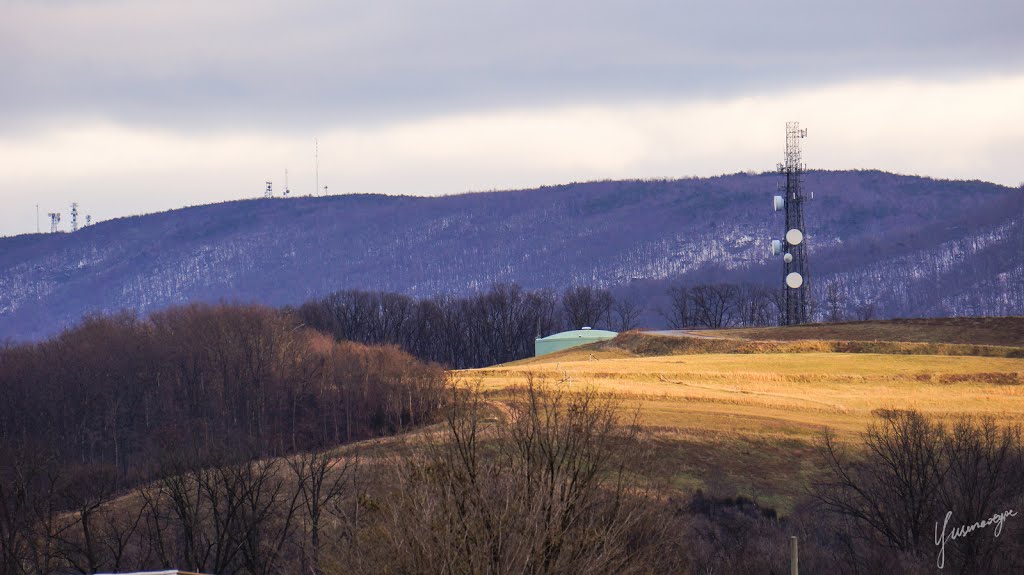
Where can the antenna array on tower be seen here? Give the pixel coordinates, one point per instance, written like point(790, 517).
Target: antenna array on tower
point(74, 216)
point(795, 269)
point(54, 220)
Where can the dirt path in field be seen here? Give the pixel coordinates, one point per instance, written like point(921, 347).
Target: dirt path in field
point(835, 406)
point(685, 333)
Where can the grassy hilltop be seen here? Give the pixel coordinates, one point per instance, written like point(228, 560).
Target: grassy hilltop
point(735, 415)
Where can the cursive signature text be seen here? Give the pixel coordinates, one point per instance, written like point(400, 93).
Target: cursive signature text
point(997, 519)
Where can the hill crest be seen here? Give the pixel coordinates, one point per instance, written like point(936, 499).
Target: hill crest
point(907, 245)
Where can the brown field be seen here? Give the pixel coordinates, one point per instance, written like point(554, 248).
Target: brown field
point(742, 417)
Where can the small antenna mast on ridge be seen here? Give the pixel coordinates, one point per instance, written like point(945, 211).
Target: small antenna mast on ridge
point(286, 190)
point(316, 166)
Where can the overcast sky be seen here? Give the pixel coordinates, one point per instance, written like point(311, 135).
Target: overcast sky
point(141, 106)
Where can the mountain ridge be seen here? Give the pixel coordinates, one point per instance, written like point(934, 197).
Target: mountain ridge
point(941, 247)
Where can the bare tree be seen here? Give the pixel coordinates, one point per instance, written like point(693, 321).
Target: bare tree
point(919, 480)
point(95, 535)
point(545, 492)
point(625, 313)
point(585, 306)
point(323, 482)
point(777, 304)
point(984, 474)
point(835, 302)
point(894, 492)
point(714, 305)
point(680, 312)
point(29, 484)
point(753, 305)
point(865, 311)
point(222, 518)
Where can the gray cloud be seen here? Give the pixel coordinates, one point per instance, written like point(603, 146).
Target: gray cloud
point(295, 66)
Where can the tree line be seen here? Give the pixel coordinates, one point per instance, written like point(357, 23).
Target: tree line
point(126, 393)
point(488, 328)
point(502, 323)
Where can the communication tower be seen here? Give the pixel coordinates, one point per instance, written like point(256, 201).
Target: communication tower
point(54, 220)
point(793, 246)
point(88, 220)
point(74, 216)
point(287, 191)
point(269, 193)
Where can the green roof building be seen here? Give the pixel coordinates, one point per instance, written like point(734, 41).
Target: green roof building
point(567, 339)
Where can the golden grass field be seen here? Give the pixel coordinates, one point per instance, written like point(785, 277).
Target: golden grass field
point(746, 422)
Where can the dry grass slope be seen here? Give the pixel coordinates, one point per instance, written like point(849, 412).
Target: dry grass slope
point(642, 344)
point(741, 416)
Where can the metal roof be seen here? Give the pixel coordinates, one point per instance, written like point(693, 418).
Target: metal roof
point(581, 334)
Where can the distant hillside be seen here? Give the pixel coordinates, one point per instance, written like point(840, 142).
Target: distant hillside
point(906, 245)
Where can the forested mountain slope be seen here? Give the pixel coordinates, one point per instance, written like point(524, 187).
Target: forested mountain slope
point(908, 245)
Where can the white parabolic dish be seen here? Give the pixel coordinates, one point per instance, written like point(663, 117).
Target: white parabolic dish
point(794, 280)
point(788, 258)
point(794, 237)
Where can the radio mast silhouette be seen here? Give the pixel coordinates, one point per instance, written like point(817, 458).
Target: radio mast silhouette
point(74, 216)
point(54, 220)
point(793, 246)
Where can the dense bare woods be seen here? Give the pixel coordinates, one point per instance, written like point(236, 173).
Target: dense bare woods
point(722, 305)
point(916, 483)
point(496, 326)
point(206, 401)
point(240, 380)
point(501, 324)
point(546, 490)
point(550, 483)
point(549, 480)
